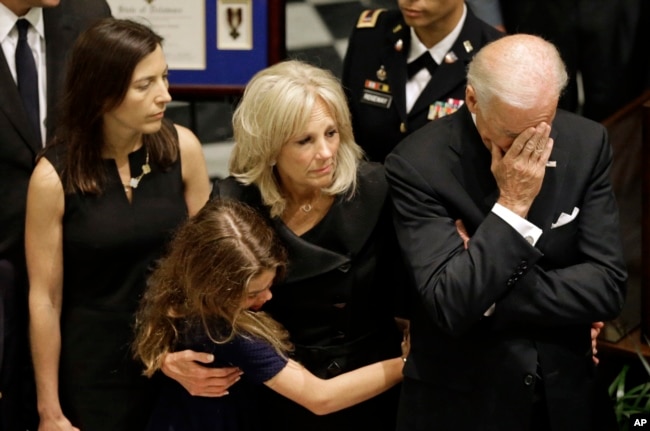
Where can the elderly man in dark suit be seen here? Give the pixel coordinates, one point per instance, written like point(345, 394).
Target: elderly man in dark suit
point(500, 336)
point(406, 67)
point(53, 28)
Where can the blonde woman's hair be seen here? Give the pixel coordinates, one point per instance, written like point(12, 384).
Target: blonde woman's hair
point(203, 281)
point(276, 106)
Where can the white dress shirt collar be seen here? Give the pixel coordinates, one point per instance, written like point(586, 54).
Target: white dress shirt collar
point(36, 40)
point(8, 21)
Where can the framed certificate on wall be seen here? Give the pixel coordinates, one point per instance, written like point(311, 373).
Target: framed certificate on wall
point(213, 47)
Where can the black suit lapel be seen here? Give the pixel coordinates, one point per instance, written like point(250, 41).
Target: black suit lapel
point(473, 170)
point(12, 107)
point(540, 214)
point(475, 176)
point(304, 255)
point(61, 31)
point(351, 223)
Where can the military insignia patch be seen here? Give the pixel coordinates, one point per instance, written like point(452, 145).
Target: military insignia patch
point(441, 109)
point(368, 18)
point(374, 85)
point(381, 73)
point(451, 57)
point(376, 98)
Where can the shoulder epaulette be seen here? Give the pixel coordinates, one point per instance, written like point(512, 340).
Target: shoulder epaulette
point(368, 18)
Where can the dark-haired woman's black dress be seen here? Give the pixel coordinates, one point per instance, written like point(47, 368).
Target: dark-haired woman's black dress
point(109, 245)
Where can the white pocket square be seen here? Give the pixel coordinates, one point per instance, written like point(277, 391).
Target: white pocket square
point(565, 218)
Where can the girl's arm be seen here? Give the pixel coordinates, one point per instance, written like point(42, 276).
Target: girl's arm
point(44, 253)
point(326, 396)
point(194, 169)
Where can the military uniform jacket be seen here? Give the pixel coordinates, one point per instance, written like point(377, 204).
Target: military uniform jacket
point(378, 106)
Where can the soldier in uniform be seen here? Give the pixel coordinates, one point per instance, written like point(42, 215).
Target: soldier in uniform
point(390, 96)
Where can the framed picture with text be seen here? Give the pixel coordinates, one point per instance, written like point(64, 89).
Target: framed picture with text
point(213, 47)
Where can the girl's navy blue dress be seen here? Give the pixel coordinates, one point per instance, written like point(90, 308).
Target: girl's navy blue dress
point(177, 410)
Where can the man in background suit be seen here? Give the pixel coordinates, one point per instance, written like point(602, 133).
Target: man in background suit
point(500, 333)
point(605, 41)
point(54, 27)
point(386, 104)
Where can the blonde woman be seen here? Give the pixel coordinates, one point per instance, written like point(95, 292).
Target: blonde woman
point(296, 162)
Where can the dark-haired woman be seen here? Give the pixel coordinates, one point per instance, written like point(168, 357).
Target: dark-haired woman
point(113, 184)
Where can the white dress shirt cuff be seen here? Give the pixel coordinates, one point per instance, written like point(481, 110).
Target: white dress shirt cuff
point(529, 231)
point(490, 311)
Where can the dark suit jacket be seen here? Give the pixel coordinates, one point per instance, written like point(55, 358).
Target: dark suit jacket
point(377, 128)
point(18, 144)
point(18, 149)
point(6, 284)
point(545, 296)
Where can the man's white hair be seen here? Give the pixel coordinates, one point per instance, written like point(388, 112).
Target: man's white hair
point(521, 70)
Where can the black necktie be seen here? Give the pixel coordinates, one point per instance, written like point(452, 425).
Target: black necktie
point(425, 60)
point(27, 76)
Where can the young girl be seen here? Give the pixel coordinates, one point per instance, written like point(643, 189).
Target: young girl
point(204, 296)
